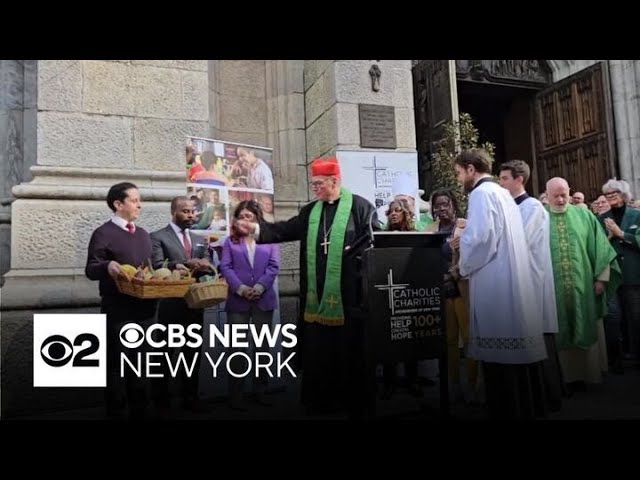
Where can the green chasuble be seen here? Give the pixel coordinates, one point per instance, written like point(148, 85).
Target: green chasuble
point(580, 252)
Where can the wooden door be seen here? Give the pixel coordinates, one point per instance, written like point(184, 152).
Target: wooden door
point(436, 103)
point(573, 132)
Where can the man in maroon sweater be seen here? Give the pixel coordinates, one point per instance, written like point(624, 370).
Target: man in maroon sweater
point(117, 242)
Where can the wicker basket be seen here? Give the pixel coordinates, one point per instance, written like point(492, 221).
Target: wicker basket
point(154, 288)
point(207, 294)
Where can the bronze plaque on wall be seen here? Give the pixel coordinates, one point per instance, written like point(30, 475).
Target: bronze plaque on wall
point(377, 126)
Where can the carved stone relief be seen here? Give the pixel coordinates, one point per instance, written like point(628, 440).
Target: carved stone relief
point(504, 71)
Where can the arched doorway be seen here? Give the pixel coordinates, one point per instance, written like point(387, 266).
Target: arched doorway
point(561, 129)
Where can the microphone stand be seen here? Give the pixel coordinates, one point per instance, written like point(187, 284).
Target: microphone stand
point(368, 236)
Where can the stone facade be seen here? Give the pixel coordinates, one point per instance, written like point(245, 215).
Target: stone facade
point(625, 90)
point(96, 123)
point(69, 129)
point(17, 140)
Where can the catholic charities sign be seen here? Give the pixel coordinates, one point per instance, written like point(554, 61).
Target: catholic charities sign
point(405, 302)
point(370, 174)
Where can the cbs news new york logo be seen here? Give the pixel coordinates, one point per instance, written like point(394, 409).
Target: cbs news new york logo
point(69, 350)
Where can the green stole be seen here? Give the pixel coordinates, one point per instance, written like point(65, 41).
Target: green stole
point(329, 311)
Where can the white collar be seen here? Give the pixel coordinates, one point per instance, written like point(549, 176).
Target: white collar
point(121, 222)
point(177, 229)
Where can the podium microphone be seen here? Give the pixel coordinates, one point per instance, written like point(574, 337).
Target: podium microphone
point(362, 239)
point(373, 212)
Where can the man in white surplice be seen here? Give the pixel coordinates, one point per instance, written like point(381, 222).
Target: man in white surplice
point(514, 176)
point(505, 324)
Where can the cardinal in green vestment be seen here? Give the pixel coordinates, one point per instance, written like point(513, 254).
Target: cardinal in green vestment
point(330, 331)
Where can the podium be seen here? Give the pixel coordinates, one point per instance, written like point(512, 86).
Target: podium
point(402, 275)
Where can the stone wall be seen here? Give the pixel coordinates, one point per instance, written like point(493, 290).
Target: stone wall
point(17, 140)
point(625, 88)
point(97, 123)
point(85, 126)
point(90, 124)
point(335, 88)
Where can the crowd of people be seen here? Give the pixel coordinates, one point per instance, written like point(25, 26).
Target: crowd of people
point(542, 296)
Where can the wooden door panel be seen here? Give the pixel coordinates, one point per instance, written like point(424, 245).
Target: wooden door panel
point(436, 103)
point(573, 131)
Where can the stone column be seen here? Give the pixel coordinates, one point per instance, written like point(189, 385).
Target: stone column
point(335, 88)
point(97, 123)
point(286, 134)
point(625, 89)
point(17, 140)
point(261, 102)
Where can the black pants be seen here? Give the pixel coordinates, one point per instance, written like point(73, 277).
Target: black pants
point(175, 311)
point(390, 374)
point(553, 382)
point(630, 303)
point(515, 391)
point(124, 387)
point(336, 376)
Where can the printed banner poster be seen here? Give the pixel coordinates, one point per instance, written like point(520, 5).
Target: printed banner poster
point(220, 175)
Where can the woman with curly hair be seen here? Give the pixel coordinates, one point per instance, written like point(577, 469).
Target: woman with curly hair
point(400, 218)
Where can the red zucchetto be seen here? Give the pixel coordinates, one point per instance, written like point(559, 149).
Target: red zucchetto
point(325, 166)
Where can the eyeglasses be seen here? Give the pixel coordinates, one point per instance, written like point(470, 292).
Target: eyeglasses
point(317, 183)
point(612, 194)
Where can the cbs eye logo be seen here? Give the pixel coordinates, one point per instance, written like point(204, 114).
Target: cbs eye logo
point(69, 350)
point(132, 335)
point(57, 350)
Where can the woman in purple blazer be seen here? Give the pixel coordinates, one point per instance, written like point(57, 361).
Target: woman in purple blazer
point(250, 270)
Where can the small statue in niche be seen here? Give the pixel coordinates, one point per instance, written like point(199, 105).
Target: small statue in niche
point(375, 73)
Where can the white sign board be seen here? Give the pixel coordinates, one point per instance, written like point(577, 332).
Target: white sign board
point(370, 174)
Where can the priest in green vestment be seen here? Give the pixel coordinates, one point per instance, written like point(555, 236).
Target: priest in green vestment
point(586, 274)
point(332, 231)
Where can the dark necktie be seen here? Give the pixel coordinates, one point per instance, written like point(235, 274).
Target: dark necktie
point(187, 243)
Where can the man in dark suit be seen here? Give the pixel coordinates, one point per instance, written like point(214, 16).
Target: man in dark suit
point(183, 250)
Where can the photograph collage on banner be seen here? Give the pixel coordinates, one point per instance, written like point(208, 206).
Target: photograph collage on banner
point(231, 165)
point(219, 176)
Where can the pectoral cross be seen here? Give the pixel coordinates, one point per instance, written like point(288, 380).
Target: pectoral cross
point(325, 244)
